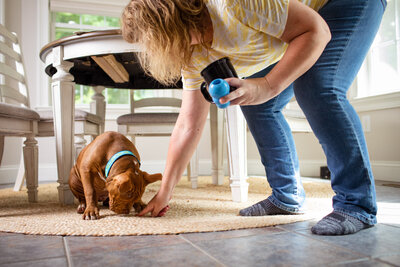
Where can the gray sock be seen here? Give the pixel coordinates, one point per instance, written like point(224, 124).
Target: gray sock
point(338, 223)
point(262, 208)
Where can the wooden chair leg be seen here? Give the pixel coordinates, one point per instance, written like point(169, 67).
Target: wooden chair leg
point(1, 147)
point(31, 167)
point(80, 143)
point(21, 175)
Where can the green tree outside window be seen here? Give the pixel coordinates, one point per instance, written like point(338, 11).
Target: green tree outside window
point(65, 25)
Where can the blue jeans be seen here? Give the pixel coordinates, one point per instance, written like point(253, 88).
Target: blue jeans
point(321, 94)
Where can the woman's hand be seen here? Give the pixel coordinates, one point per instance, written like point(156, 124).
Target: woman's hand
point(251, 91)
point(158, 206)
point(306, 34)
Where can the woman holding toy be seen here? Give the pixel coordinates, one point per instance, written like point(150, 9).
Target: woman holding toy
point(308, 49)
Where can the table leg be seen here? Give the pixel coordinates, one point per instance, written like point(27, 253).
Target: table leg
point(63, 90)
point(236, 132)
point(217, 144)
point(98, 105)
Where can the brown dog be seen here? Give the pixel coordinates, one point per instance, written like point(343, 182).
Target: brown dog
point(124, 185)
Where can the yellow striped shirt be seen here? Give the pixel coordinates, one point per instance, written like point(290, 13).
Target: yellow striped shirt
point(246, 31)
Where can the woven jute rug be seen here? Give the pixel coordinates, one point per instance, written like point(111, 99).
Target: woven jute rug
point(205, 209)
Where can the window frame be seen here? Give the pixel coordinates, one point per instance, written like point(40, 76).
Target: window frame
point(124, 108)
point(363, 86)
point(82, 27)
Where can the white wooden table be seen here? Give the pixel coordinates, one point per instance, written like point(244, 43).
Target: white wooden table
point(68, 62)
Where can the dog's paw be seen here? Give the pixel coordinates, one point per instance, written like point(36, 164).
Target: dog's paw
point(139, 206)
point(81, 208)
point(91, 213)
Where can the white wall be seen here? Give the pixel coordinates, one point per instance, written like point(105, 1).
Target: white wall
point(30, 20)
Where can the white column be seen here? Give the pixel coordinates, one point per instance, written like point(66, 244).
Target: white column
point(236, 132)
point(63, 90)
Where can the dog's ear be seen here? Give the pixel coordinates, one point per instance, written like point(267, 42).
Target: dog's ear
point(123, 184)
point(151, 178)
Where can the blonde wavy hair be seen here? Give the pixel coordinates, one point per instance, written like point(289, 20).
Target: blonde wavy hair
point(164, 28)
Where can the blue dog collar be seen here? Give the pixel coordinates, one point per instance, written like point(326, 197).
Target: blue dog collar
point(116, 157)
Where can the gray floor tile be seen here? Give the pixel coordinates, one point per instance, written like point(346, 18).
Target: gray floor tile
point(14, 248)
point(54, 262)
point(194, 237)
point(387, 193)
point(361, 263)
point(392, 259)
point(374, 242)
point(177, 255)
point(393, 225)
point(298, 225)
point(7, 234)
point(89, 245)
point(285, 249)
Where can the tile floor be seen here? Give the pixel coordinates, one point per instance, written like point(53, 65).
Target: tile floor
point(285, 245)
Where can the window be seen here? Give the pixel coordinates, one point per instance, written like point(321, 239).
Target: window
point(65, 24)
point(380, 73)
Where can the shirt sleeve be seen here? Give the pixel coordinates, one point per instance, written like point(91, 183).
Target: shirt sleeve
point(268, 16)
point(190, 80)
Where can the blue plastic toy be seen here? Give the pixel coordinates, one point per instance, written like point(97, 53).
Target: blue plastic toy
point(219, 88)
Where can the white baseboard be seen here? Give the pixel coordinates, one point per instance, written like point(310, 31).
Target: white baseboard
point(383, 170)
point(386, 170)
point(8, 174)
point(309, 168)
point(47, 173)
point(158, 166)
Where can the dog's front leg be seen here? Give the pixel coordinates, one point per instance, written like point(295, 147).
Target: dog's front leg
point(92, 210)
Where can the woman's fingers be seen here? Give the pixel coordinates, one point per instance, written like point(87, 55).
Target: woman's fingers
point(163, 211)
point(147, 209)
point(252, 91)
point(235, 82)
point(154, 210)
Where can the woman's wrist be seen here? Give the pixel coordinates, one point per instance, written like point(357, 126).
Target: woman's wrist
point(271, 87)
point(167, 187)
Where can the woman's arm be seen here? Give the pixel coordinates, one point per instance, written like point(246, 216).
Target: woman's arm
point(307, 34)
point(184, 139)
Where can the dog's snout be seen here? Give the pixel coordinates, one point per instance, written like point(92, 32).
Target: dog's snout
point(121, 211)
